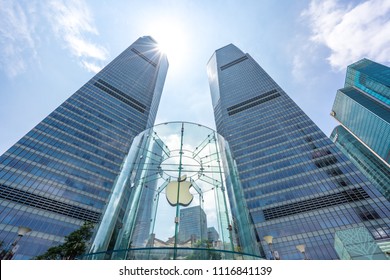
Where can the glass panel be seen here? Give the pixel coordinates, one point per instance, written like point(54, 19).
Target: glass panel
point(172, 194)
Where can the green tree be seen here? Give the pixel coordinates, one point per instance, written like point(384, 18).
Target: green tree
point(75, 244)
point(2, 250)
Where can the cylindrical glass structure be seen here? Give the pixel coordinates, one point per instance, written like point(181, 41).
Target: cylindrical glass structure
point(177, 197)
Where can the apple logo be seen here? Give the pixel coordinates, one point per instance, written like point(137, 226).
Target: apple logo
point(182, 197)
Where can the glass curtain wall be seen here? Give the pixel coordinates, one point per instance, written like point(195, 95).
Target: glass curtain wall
point(172, 187)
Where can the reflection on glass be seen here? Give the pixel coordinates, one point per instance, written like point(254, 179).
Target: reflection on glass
point(173, 186)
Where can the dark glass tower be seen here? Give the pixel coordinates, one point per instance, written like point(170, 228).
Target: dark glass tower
point(60, 174)
point(363, 109)
point(193, 224)
point(369, 164)
point(370, 77)
point(299, 187)
point(363, 106)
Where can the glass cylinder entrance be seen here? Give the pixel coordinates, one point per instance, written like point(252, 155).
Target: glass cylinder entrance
point(171, 200)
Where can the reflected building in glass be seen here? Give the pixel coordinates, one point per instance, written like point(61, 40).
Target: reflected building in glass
point(362, 108)
point(174, 183)
point(61, 173)
point(152, 191)
point(193, 224)
point(298, 186)
point(212, 234)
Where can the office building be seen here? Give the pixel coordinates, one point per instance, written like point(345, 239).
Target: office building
point(368, 163)
point(193, 224)
point(212, 234)
point(362, 108)
point(61, 173)
point(371, 78)
point(300, 189)
point(151, 190)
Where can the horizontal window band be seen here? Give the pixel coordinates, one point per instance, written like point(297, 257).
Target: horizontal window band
point(48, 204)
point(144, 57)
point(120, 95)
point(234, 62)
point(258, 101)
point(252, 99)
point(347, 196)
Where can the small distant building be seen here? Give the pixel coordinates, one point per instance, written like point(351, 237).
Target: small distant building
point(193, 222)
point(212, 234)
point(158, 243)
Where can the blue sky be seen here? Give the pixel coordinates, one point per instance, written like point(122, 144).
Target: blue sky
point(50, 48)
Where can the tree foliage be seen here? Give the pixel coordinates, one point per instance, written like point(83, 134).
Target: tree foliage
point(75, 244)
point(2, 250)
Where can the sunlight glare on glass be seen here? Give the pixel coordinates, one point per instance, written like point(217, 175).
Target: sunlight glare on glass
point(171, 40)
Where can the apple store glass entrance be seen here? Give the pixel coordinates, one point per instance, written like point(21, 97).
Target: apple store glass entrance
point(177, 197)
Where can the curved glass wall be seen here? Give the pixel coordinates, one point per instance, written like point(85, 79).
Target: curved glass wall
point(171, 200)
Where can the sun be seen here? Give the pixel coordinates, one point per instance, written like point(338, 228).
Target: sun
point(172, 40)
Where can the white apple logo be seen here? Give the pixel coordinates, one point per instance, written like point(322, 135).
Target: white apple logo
point(184, 197)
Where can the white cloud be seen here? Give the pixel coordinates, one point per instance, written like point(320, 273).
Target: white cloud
point(72, 21)
point(82, 48)
point(91, 67)
point(351, 32)
point(16, 37)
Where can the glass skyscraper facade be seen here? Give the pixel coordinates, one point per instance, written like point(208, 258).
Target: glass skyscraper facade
point(60, 174)
point(369, 164)
point(298, 186)
point(363, 106)
point(370, 77)
point(363, 109)
point(269, 171)
point(193, 224)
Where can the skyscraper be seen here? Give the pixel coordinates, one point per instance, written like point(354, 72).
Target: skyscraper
point(299, 188)
point(363, 109)
point(370, 77)
point(193, 224)
point(368, 163)
point(60, 173)
point(363, 106)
